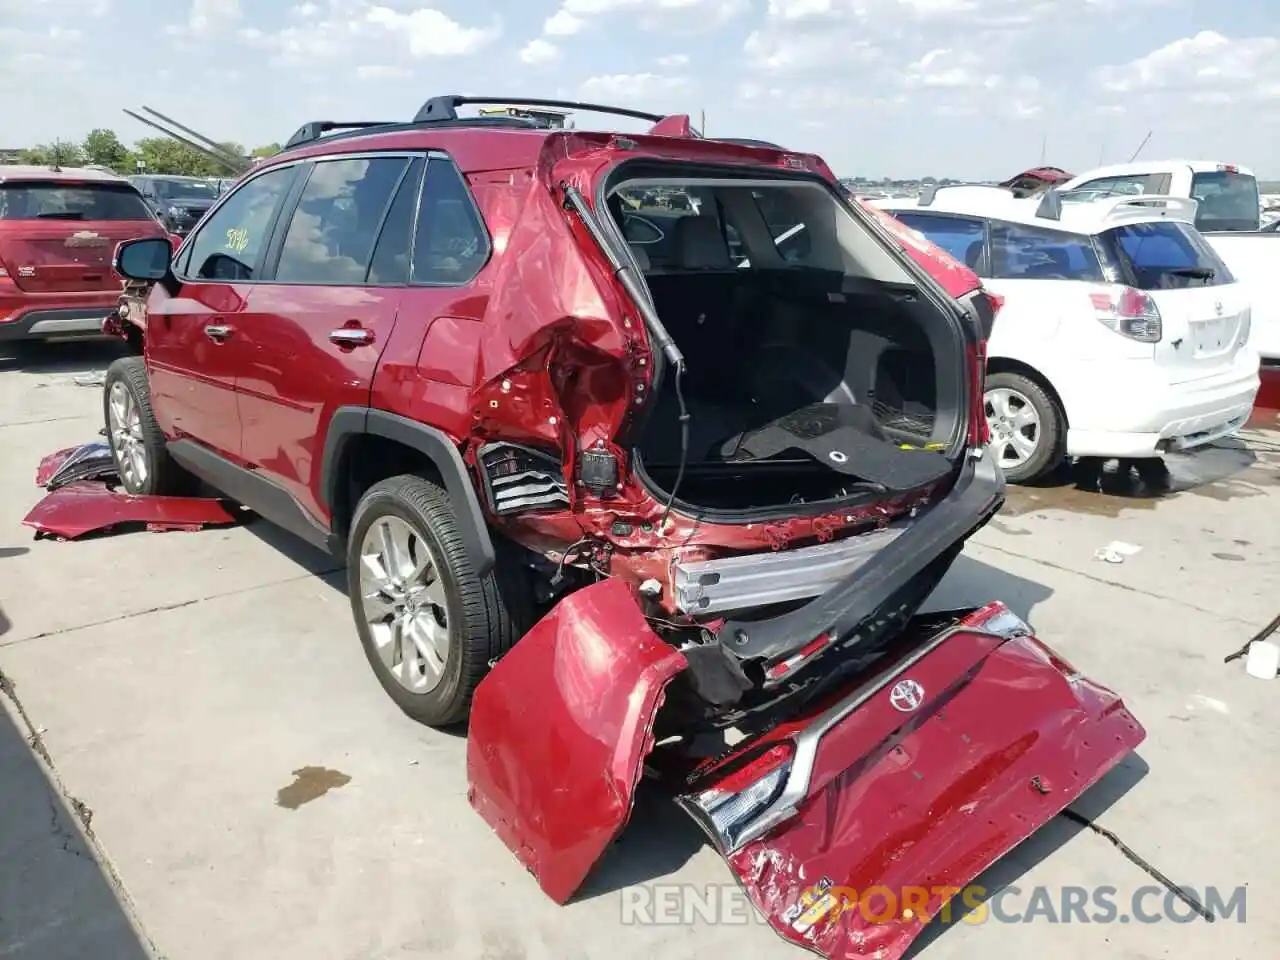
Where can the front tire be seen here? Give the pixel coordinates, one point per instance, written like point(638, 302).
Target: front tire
point(137, 443)
point(1028, 430)
point(429, 625)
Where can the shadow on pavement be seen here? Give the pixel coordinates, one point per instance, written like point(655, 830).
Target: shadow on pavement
point(1005, 873)
point(56, 902)
point(71, 356)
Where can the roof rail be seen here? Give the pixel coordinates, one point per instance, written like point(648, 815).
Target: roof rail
point(318, 128)
point(446, 108)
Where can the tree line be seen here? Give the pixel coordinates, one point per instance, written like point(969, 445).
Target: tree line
point(158, 155)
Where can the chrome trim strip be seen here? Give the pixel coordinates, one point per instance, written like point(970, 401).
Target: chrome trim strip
point(806, 741)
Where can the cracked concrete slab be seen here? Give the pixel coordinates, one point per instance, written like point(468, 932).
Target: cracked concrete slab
point(183, 681)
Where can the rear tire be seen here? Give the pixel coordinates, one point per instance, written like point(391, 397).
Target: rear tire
point(429, 625)
point(1028, 429)
point(137, 443)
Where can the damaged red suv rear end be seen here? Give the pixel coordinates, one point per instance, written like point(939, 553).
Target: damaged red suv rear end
point(776, 442)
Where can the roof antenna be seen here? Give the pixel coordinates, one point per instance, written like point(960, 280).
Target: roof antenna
point(1141, 145)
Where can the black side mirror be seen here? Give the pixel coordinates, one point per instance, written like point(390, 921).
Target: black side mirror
point(146, 258)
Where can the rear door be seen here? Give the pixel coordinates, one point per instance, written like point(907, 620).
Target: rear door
point(58, 236)
point(313, 333)
point(1203, 310)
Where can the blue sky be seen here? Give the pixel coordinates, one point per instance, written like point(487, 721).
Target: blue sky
point(962, 88)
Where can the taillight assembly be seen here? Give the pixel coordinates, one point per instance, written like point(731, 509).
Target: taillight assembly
point(1130, 313)
point(979, 431)
point(739, 808)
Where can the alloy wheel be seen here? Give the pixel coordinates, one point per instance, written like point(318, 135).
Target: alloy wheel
point(1014, 424)
point(125, 429)
point(404, 603)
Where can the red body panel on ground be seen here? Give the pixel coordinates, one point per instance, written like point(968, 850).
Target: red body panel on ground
point(83, 508)
point(555, 774)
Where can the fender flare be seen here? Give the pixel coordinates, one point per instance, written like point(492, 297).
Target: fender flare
point(350, 422)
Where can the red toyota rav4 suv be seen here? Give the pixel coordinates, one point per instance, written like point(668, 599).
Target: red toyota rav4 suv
point(58, 228)
point(672, 412)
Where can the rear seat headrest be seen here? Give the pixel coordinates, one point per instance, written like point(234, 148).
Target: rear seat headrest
point(700, 244)
point(641, 255)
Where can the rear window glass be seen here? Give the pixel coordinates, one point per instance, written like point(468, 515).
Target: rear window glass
point(61, 201)
point(1227, 201)
point(961, 238)
point(1166, 255)
point(1032, 253)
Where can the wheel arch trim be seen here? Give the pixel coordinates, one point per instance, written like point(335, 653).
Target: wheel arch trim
point(350, 422)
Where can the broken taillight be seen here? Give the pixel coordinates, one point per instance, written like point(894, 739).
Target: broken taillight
point(784, 667)
point(731, 810)
point(979, 432)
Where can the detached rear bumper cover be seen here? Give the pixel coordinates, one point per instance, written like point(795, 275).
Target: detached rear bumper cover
point(560, 728)
point(883, 812)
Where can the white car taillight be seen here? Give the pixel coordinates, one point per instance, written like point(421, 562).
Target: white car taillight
point(1128, 312)
point(1246, 326)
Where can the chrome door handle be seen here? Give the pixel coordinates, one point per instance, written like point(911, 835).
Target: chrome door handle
point(351, 337)
point(218, 332)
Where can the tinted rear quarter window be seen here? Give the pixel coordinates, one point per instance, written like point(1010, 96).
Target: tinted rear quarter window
point(1227, 201)
point(1165, 255)
point(62, 201)
point(451, 244)
point(1021, 252)
point(960, 237)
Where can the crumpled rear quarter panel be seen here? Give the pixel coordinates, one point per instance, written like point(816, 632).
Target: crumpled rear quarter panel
point(560, 728)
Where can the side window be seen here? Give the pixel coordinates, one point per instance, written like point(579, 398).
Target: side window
point(1030, 253)
point(451, 244)
point(1131, 185)
point(229, 246)
point(332, 231)
point(959, 236)
point(393, 253)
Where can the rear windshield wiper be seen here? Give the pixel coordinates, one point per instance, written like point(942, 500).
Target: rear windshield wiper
point(65, 215)
point(1196, 273)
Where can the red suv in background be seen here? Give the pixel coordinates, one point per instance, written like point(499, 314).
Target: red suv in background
point(627, 439)
point(58, 230)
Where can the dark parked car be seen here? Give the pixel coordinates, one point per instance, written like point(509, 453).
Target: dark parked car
point(593, 500)
point(179, 202)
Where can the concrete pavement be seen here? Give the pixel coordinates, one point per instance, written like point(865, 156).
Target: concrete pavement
point(179, 681)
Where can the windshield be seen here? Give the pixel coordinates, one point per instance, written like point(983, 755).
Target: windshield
point(1228, 201)
point(188, 189)
point(71, 201)
point(1165, 255)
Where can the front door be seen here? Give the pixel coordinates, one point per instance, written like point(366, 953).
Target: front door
point(336, 275)
point(195, 335)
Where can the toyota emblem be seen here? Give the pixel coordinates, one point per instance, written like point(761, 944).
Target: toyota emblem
point(906, 695)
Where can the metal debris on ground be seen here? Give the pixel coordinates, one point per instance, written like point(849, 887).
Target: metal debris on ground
point(85, 507)
point(1116, 551)
point(97, 379)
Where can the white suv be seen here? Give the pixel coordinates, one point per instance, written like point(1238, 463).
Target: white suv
point(1122, 333)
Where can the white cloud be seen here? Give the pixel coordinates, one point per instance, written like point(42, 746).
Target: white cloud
point(431, 33)
point(1207, 68)
point(207, 17)
point(538, 51)
point(946, 68)
point(673, 60)
point(688, 16)
point(382, 71)
point(562, 23)
point(633, 87)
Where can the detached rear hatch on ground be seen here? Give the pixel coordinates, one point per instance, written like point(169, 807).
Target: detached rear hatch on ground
point(58, 236)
